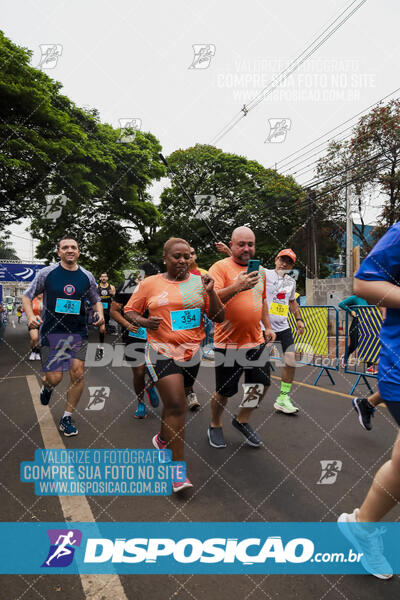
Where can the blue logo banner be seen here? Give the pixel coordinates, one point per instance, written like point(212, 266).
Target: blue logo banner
point(18, 271)
point(197, 548)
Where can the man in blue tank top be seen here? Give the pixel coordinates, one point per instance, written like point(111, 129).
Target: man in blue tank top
point(62, 326)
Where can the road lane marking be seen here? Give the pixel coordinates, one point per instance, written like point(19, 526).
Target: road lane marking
point(74, 508)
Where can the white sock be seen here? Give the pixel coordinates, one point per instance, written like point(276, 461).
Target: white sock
point(67, 414)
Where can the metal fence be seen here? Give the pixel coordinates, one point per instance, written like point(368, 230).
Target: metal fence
point(364, 332)
point(318, 346)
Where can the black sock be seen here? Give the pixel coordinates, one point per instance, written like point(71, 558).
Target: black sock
point(101, 335)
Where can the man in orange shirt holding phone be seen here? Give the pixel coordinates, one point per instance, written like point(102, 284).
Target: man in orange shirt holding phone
point(239, 340)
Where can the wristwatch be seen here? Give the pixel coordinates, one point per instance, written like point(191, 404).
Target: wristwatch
point(299, 319)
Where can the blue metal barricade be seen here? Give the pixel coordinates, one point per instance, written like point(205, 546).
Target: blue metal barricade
point(366, 328)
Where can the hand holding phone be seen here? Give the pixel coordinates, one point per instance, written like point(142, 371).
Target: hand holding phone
point(253, 265)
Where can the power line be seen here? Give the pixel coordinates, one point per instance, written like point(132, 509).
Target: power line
point(349, 181)
point(25, 238)
point(294, 65)
point(313, 162)
point(310, 183)
point(283, 160)
point(306, 203)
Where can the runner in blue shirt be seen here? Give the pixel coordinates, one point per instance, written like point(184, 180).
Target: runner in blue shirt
point(378, 281)
point(62, 326)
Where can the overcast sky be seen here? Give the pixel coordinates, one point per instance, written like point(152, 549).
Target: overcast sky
point(131, 59)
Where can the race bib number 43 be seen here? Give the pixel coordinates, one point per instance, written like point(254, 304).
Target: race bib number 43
point(185, 319)
point(280, 310)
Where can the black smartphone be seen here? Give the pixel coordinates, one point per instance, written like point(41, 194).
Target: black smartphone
point(253, 265)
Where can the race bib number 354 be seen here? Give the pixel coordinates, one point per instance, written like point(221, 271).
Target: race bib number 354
point(185, 319)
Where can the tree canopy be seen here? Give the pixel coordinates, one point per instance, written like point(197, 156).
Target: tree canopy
point(228, 191)
point(54, 151)
point(368, 165)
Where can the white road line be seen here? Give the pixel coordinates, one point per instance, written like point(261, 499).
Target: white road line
point(75, 508)
point(13, 323)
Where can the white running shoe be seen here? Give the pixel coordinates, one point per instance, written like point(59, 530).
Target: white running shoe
point(192, 401)
point(369, 544)
point(32, 356)
point(37, 356)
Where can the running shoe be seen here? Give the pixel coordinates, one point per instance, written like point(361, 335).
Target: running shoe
point(216, 437)
point(179, 486)
point(342, 361)
point(367, 543)
point(45, 395)
point(161, 445)
point(208, 354)
point(372, 370)
point(37, 356)
point(158, 442)
point(152, 397)
point(32, 356)
point(99, 354)
point(248, 433)
point(192, 401)
point(365, 411)
point(284, 404)
point(67, 427)
point(140, 411)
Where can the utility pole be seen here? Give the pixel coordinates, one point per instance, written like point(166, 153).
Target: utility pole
point(349, 234)
point(312, 257)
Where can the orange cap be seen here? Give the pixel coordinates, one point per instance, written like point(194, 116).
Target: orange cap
point(288, 252)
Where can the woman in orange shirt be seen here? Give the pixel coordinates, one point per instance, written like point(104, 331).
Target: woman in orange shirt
point(176, 301)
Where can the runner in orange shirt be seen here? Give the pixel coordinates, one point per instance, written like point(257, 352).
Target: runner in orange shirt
point(176, 301)
point(239, 341)
point(37, 307)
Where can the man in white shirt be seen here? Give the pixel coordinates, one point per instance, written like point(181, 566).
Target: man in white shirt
point(281, 289)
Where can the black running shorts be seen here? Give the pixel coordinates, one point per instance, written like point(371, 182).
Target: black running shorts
point(394, 409)
point(230, 364)
point(285, 338)
point(158, 366)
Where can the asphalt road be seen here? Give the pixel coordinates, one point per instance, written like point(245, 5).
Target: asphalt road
point(275, 483)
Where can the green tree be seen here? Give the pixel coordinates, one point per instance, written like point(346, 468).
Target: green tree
point(51, 148)
point(7, 251)
point(245, 193)
point(365, 166)
point(228, 191)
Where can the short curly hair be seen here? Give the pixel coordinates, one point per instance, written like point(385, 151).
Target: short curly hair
point(169, 243)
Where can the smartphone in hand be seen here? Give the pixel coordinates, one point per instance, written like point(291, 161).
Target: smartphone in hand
point(253, 265)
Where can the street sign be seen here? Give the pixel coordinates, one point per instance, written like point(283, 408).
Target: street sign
point(11, 272)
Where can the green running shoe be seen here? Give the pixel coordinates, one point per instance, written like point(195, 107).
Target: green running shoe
point(284, 404)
